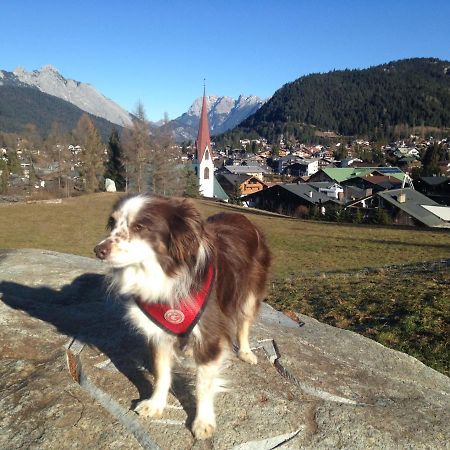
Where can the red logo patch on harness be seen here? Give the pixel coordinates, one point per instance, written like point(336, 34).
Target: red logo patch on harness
point(181, 319)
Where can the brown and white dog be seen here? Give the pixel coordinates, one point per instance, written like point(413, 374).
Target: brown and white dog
point(163, 255)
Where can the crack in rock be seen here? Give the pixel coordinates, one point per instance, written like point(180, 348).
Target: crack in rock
point(269, 443)
point(125, 417)
point(271, 350)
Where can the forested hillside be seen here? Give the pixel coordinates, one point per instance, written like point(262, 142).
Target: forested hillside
point(20, 106)
point(372, 102)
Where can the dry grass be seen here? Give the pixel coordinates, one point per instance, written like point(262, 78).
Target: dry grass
point(405, 308)
point(77, 224)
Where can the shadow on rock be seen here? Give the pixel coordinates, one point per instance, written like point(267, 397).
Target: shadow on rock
point(83, 309)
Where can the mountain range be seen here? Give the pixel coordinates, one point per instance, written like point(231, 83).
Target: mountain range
point(376, 103)
point(45, 96)
point(224, 113)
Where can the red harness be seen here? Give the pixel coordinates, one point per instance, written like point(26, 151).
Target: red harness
point(182, 318)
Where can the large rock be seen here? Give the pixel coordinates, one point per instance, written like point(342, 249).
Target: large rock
point(318, 387)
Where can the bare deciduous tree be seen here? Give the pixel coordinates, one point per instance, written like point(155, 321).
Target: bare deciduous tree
point(165, 172)
point(92, 153)
point(137, 147)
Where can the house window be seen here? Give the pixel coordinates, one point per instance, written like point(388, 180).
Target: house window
point(206, 155)
point(206, 173)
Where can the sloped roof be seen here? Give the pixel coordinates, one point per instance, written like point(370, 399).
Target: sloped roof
point(414, 206)
point(322, 184)
point(233, 178)
point(306, 192)
point(203, 138)
point(218, 191)
point(345, 173)
point(435, 181)
point(383, 180)
point(301, 190)
point(247, 169)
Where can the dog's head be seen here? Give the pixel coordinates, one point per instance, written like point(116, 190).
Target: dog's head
point(152, 230)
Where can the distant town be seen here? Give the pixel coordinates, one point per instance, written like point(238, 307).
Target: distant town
point(406, 182)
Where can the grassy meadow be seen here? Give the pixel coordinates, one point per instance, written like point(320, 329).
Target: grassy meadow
point(313, 272)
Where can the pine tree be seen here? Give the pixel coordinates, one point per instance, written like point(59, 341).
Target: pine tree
point(13, 162)
point(191, 184)
point(433, 155)
point(115, 168)
point(4, 179)
point(235, 196)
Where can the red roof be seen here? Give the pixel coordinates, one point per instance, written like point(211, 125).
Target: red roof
point(203, 139)
point(381, 179)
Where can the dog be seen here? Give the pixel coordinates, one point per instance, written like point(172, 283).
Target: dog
point(186, 279)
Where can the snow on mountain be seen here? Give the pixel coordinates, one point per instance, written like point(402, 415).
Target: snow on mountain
point(224, 113)
point(83, 95)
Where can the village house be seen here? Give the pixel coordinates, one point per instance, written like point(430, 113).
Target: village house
point(256, 171)
point(375, 183)
point(436, 188)
point(245, 184)
point(288, 198)
point(303, 167)
point(409, 207)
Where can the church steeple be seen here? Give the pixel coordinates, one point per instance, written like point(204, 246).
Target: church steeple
point(203, 138)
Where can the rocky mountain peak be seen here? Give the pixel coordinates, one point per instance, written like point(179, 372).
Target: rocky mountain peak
point(50, 81)
point(224, 113)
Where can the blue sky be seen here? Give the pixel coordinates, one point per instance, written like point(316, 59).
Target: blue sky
point(160, 51)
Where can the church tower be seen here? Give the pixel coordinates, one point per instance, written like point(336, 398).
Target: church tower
point(203, 162)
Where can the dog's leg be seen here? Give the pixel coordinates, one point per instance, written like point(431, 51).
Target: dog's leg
point(205, 420)
point(245, 353)
point(162, 361)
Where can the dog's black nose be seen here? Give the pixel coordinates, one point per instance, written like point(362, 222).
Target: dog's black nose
point(102, 250)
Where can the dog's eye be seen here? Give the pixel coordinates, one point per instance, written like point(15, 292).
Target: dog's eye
point(111, 223)
point(138, 227)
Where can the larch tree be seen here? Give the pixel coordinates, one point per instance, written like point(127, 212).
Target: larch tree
point(165, 175)
point(91, 158)
point(137, 148)
point(57, 149)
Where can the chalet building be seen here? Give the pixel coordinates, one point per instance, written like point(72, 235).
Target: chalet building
point(288, 198)
point(375, 183)
point(256, 171)
point(343, 174)
point(409, 207)
point(304, 167)
point(437, 188)
point(405, 207)
point(245, 184)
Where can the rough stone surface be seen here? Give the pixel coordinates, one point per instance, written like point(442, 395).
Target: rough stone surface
point(318, 387)
point(110, 185)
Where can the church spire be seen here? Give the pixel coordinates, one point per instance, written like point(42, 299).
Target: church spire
point(203, 138)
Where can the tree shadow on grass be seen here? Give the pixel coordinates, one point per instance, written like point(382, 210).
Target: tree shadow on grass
point(83, 309)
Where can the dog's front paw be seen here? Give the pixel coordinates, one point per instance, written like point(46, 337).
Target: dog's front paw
point(248, 357)
point(150, 408)
point(203, 429)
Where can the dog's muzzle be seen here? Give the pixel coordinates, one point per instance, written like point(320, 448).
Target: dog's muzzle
point(103, 249)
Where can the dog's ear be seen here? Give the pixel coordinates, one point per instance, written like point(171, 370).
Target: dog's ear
point(186, 230)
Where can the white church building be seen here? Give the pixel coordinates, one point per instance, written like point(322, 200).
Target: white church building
point(203, 163)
